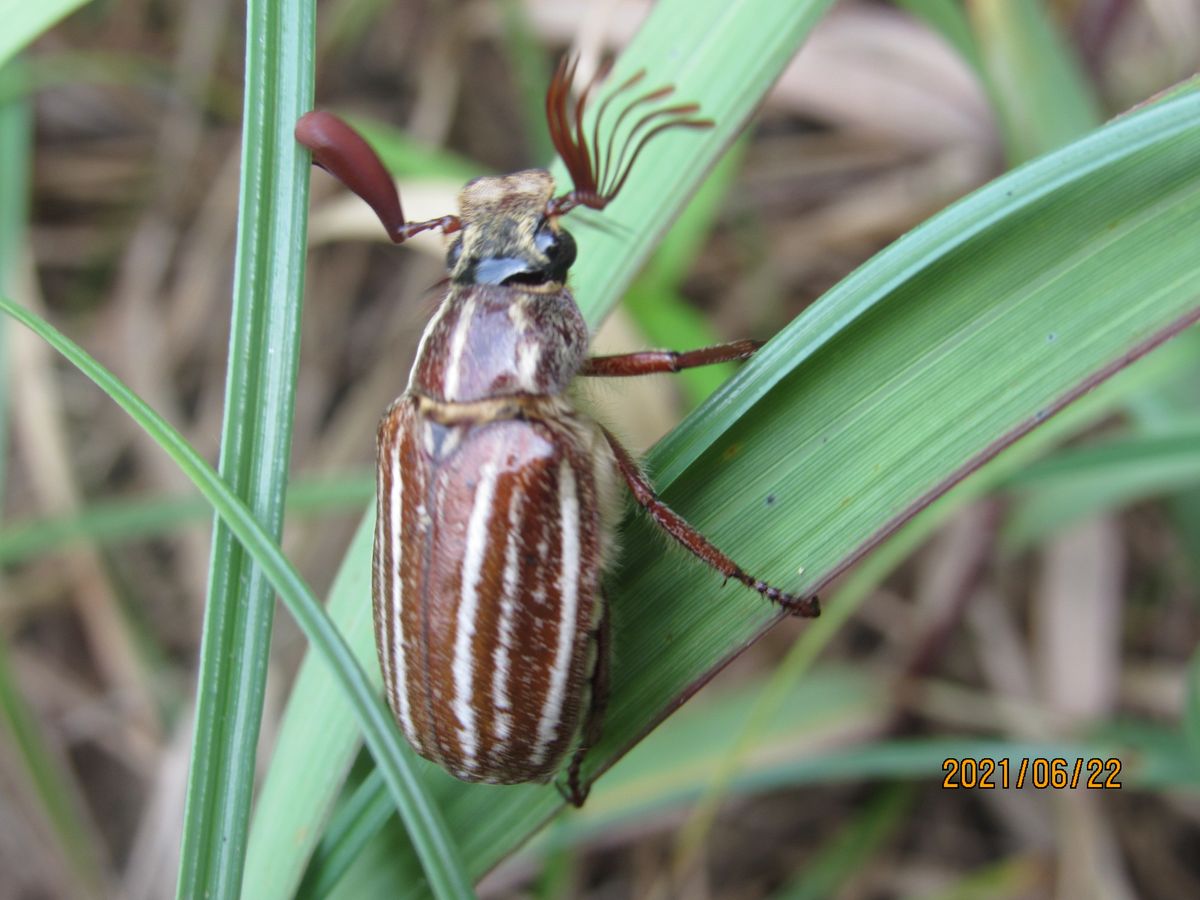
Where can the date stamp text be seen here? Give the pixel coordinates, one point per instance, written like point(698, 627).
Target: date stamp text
point(1041, 772)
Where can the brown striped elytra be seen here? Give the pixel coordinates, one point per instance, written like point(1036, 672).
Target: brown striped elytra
point(496, 497)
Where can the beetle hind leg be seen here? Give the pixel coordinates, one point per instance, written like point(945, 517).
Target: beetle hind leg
point(696, 543)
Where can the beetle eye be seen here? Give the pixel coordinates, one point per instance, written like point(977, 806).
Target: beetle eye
point(559, 248)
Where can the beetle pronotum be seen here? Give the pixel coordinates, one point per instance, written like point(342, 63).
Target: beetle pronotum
point(495, 496)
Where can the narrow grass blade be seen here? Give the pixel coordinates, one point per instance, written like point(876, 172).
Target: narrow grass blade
point(24, 22)
point(1085, 481)
point(1043, 98)
point(949, 19)
point(426, 827)
point(16, 138)
point(123, 520)
point(653, 300)
point(1191, 712)
point(255, 443)
point(843, 858)
point(51, 783)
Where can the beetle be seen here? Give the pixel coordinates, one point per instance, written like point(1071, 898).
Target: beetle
point(496, 498)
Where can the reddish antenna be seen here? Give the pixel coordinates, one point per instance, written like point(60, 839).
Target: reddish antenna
point(596, 177)
point(341, 151)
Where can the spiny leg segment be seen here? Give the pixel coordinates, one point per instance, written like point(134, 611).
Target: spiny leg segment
point(677, 527)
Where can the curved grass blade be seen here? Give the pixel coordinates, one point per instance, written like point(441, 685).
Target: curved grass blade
point(395, 760)
point(123, 520)
point(857, 586)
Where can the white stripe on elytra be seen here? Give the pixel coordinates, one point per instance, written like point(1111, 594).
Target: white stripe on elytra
point(568, 592)
point(508, 612)
point(396, 607)
point(468, 608)
point(458, 343)
point(429, 330)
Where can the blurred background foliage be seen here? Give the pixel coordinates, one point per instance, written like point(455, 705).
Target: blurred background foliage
point(1054, 608)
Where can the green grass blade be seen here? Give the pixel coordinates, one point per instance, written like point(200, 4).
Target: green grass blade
point(315, 736)
point(858, 585)
point(255, 443)
point(16, 137)
point(843, 858)
point(1085, 481)
point(921, 365)
point(123, 520)
point(23, 22)
point(353, 826)
point(653, 300)
point(725, 55)
point(1042, 97)
point(395, 760)
point(51, 783)
point(948, 18)
point(1191, 711)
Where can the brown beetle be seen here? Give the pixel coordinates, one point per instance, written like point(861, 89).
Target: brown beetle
point(495, 496)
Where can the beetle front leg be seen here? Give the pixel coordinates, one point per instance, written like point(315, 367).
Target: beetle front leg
point(652, 362)
point(677, 527)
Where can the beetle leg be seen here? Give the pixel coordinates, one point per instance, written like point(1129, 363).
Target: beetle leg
point(650, 362)
point(677, 527)
point(593, 723)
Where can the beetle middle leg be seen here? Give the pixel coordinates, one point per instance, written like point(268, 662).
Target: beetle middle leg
point(651, 362)
point(687, 535)
point(593, 723)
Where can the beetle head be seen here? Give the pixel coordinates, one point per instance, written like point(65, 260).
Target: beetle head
point(506, 237)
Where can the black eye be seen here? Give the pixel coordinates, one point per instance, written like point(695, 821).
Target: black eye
point(559, 248)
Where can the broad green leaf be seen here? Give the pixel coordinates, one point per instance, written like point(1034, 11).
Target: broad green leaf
point(853, 590)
